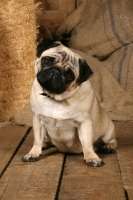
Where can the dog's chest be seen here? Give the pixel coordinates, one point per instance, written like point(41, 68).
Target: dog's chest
point(58, 127)
point(62, 133)
point(59, 111)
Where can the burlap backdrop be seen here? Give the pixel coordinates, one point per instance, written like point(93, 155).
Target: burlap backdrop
point(17, 54)
point(104, 30)
point(100, 27)
point(101, 31)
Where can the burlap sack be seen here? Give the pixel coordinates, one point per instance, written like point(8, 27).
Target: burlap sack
point(112, 97)
point(103, 29)
point(120, 64)
point(100, 27)
point(17, 54)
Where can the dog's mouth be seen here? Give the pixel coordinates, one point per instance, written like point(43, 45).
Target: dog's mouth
point(51, 80)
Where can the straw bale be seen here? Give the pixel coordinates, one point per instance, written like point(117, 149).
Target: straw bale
point(17, 54)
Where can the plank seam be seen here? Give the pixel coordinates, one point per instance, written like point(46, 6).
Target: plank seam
point(125, 191)
point(76, 4)
point(126, 194)
point(60, 179)
point(16, 150)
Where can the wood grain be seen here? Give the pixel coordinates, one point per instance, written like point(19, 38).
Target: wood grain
point(125, 154)
point(83, 182)
point(35, 180)
point(40, 180)
point(10, 138)
point(78, 2)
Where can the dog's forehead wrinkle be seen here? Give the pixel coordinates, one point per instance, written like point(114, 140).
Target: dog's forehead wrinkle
point(63, 51)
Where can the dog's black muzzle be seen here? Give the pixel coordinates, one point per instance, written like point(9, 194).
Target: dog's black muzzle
point(51, 80)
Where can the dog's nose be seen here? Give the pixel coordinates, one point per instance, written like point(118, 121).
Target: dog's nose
point(55, 72)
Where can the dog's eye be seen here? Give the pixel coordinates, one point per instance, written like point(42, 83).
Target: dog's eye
point(69, 75)
point(46, 61)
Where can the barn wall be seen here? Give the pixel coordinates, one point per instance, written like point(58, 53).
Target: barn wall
point(52, 12)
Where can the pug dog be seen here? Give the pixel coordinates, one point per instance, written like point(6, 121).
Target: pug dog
point(66, 113)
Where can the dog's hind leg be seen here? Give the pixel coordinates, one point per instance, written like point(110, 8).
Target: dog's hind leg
point(47, 146)
point(109, 140)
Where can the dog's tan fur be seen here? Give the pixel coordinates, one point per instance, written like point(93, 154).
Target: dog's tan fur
point(71, 121)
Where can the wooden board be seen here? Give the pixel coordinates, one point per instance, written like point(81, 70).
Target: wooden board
point(10, 138)
point(112, 181)
point(83, 182)
point(35, 180)
point(48, 25)
point(50, 15)
point(46, 179)
point(125, 155)
point(78, 2)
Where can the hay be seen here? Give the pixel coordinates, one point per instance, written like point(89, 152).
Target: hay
point(17, 54)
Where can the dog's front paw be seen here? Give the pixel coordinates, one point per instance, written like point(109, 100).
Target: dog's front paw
point(33, 155)
point(94, 162)
point(30, 158)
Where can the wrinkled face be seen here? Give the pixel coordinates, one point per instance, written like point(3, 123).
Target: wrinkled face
point(59, 69)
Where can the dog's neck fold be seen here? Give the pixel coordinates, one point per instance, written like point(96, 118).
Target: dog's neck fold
point(46, 95)
point(60, 97)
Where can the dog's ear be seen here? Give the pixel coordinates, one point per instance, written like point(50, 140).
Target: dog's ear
point(45, 44)
point(84, 71)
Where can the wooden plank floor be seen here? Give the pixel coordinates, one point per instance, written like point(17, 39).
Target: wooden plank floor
point(64, 177)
